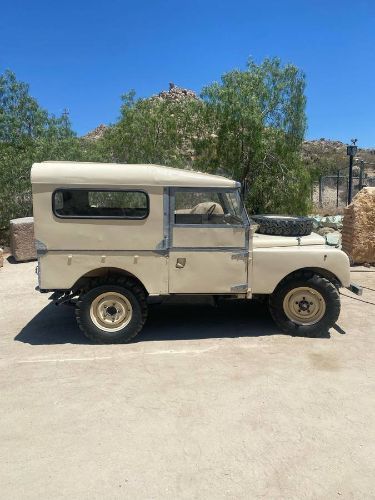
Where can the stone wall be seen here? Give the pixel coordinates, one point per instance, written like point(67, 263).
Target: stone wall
point(22, 245)
point(358, 233)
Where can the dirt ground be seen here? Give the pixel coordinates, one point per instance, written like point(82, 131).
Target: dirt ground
point(207, 403)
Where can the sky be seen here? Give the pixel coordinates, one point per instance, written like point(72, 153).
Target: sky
point(82, 56)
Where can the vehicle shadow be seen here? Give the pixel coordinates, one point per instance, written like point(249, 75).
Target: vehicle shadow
point(11, 260)
point(170, 321)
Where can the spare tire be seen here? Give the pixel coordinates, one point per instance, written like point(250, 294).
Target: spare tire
point(279, 225)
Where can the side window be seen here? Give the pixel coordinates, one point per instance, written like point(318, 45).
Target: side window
point(84, 203)
point(207, 207)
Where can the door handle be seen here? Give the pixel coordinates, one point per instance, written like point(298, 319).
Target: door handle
point(180, 263)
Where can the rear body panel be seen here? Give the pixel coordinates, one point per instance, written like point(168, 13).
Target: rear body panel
point(61, 270)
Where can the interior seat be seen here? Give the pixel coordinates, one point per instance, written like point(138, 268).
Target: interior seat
point(204, 207)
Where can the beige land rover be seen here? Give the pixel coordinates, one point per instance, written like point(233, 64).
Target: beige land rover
point(112, 238)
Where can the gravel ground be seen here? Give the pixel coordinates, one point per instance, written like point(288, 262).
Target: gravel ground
point(207, 403)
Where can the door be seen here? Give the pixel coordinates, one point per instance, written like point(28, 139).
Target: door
point(208, 241)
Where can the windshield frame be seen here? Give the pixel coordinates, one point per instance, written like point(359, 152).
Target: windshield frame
point(221, 192)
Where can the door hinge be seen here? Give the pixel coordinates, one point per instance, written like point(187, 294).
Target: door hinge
point(239, 288)
point(240, 255)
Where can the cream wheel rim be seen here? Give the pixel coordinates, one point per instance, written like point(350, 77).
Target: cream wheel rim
point(111, 311)
point(304, 305)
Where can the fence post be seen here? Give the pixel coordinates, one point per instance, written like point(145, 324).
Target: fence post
point(337, 188)
point(320, 191)
point(361, 172)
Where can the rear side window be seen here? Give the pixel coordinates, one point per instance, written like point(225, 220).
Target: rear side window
point(97, 204)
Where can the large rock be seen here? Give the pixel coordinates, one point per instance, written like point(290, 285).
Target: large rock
point(22, 244)
point(96, 134)
point(358, 233)
point(175, 94)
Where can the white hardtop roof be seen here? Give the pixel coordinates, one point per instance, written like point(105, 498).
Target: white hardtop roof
point(65, 173)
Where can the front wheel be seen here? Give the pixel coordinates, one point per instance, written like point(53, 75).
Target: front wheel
point(305, 306)
point(112, 314)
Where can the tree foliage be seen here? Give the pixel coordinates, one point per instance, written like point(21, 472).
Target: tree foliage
point(153, 131)
point(259, 117)
point(27, 134)
point(248, 126)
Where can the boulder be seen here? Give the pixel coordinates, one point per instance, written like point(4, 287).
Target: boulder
point(323, 231)
point(358, 233)
point(331, 221)
point(333, 239)
point(22, 244)
point(97, 133)
point(175, 93)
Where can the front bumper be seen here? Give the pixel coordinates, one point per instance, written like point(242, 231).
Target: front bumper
point(358, 290)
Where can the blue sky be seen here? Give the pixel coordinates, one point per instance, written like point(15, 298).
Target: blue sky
point(83, 55)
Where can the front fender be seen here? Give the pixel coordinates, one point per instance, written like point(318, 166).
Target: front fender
point(271, 265)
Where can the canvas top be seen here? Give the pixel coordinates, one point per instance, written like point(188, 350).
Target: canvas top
point(66, 173)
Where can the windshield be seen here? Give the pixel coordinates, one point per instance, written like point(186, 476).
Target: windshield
point(234, 208)
point(209, 207)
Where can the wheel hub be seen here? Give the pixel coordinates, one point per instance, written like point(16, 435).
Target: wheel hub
point(111, 311)
point(304, 305)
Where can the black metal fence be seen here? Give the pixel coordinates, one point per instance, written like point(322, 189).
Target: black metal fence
point(332, 190)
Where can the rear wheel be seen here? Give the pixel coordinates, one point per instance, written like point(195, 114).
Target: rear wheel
point(305, 306)
point(111, 314)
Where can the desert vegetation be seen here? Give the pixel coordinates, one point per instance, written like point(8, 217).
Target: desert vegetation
point(249, 126)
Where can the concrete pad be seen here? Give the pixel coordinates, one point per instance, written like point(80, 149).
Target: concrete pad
point(207, 403)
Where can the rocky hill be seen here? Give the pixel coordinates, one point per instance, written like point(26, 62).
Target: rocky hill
point(96, 133)
point(332, 155)
point(175, 93)
point(323, 154)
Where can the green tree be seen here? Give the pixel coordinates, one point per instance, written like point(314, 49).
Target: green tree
point(20, 115)
point(250, 126)
point(258, 117)
point(152, 131)
point(27, 134)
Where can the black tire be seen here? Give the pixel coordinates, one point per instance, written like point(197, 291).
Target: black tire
point(327, 291)
point(278, 225)
point(133, 293)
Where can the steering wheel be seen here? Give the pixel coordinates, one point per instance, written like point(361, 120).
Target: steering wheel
point(211, 210)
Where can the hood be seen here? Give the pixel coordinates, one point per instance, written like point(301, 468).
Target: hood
point(267, 241)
